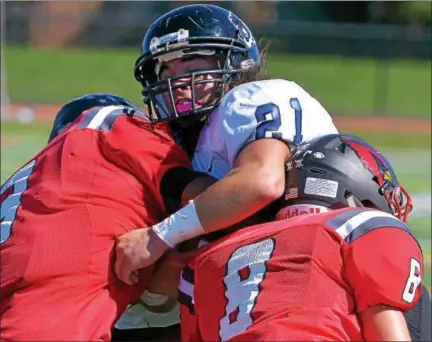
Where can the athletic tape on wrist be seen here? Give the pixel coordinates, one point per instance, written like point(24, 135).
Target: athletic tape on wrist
point(181, 226)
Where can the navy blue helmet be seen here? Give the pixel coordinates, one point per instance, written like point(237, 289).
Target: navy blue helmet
point(186, 31)
point(72, 110)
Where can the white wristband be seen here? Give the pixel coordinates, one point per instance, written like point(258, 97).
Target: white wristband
point(153, 299)
point(181, 226)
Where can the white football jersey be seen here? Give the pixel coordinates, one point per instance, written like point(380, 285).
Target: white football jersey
point(277, 109)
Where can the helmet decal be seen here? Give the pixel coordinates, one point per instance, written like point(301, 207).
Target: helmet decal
point(373, 160)
point(244, 34)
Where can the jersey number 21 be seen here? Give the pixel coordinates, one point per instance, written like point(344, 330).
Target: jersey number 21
point(269, 121)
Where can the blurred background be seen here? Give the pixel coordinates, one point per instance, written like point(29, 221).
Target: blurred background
point(368, 63)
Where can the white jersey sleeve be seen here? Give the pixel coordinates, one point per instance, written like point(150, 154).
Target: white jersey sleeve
point(277, 109)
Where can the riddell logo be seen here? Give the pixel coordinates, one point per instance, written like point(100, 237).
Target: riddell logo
point(298, 210)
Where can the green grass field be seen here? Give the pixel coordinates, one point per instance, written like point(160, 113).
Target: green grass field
point(19, 142)
point(344, 85)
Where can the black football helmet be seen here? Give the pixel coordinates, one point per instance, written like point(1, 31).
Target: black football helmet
point(193, 29)
point(338, 171)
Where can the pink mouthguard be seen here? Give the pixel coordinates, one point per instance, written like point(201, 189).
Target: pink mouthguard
point(184, 106)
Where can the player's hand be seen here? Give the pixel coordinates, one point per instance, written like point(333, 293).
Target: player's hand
point(135, 250)
point(165, 279)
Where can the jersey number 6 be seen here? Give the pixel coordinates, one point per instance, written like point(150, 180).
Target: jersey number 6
point(269, 120)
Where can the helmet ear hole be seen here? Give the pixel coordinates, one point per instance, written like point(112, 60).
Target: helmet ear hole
point(368, 204)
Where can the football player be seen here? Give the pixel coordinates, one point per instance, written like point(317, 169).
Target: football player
point(109, 163)
point(337, 264)
point(202, 70)
point(152, 316)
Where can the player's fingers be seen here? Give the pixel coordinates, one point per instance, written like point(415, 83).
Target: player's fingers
point(121, 271)
point(134, 277)
point(126, 276)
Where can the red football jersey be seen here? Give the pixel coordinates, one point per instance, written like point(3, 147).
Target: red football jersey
point(60, 217)
point(304, 278)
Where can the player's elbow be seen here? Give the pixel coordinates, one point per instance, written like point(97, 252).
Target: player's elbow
point(262, 165)
point(269, 185)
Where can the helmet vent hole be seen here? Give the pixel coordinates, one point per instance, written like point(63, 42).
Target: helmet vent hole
point(341, 148)
point(368, 204)
point(316, 170)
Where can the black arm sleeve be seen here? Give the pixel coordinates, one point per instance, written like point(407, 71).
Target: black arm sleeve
point(172, 185)
point(419, 318)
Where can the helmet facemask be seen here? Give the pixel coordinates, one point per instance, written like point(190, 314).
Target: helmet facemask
point(232, 59)
point(398, 198)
